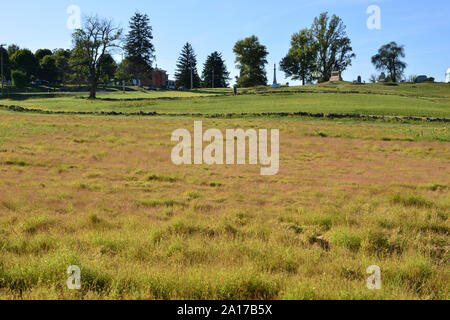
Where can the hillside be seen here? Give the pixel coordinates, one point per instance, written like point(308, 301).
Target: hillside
point(422, 100)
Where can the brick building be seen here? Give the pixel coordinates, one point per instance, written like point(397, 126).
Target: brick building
point(158, 80)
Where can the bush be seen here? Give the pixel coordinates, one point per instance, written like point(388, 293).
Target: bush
point(347, 240)
point(19, 79)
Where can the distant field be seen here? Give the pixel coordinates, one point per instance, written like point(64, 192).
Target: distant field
point(102, 193)
point(425, 100)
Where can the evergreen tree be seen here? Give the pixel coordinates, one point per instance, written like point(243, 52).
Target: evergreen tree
point(6, 68)
point(251, 60)
point(187, 68)
point(108, 68)
point(139, 47)
point(215, 74)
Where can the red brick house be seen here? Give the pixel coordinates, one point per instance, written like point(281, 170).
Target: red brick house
point(159, 79)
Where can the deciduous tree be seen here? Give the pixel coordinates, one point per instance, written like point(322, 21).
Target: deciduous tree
point(63, 64)
point(48, 69)
point(91, 43)
point(389, 59)
point(19, 79)
point(12, 49)
point(41, 53)
point(24, 60)
point(300, 62)
point(333, 45)
point(251, 61)
point(79, 66)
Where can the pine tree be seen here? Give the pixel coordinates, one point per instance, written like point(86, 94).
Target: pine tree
point(139, 47)
point(187, 68)
point(215, 74)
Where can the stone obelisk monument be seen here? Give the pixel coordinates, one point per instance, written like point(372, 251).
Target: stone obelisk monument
point(275, 84)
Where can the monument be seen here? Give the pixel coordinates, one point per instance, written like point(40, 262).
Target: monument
point(382, 77)
point(447, 76)
point(336, 76)
point(359, 79)
point(275, 84)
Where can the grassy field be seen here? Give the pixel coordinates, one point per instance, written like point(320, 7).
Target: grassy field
point(102, 193)
point(424, 100)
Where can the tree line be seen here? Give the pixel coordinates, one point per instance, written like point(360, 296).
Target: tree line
point(313, 55)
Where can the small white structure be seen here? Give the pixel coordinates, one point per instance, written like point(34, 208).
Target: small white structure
point(447, 76)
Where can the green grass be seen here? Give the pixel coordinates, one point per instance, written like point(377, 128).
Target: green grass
point(422, 100)
point(424, 90)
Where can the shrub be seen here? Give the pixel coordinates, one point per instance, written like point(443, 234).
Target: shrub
point(379, 243)
point(347, 240)
point(19, 79)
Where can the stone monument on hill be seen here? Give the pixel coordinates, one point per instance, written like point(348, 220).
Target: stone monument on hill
point(336, 76)
point(447, 76)
point(275, 83)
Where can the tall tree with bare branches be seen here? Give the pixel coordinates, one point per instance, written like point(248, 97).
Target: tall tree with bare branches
point(91, 43)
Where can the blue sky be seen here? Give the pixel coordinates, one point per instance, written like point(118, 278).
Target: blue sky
point(422, 27)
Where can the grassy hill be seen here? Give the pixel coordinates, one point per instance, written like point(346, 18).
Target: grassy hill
point(425, 100)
